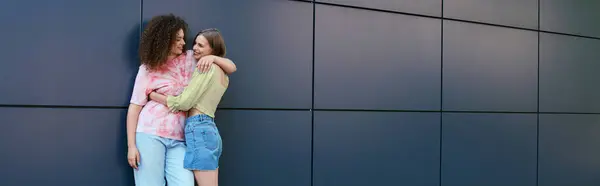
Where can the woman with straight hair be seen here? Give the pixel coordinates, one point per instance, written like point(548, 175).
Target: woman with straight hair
point(201, 98)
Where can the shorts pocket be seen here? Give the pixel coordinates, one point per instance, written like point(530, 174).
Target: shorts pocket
point(210, 138)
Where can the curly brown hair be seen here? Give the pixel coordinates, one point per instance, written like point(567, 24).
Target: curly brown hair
point(157, 39)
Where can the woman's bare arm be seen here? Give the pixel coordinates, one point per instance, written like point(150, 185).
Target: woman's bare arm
point(133, 155)
point(133, 113)
point(226, 64)
point(160, 98)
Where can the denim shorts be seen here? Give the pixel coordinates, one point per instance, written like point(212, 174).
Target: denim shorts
point(204, 145)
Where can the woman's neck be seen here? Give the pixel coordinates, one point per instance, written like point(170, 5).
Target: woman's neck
point(171, 57)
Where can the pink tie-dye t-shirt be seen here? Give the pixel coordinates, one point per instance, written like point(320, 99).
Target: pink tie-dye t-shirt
point(155, 118)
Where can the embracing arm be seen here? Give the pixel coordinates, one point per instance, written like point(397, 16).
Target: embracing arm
point(160, 98)
point(226, 64)
point(190, 95)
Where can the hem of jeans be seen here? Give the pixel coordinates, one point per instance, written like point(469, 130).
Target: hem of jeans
point(200, 169)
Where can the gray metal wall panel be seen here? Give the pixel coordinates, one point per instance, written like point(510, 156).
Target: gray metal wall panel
point(569, 74)
point(488, 68)
point(267, 148)
point(391, 63)
point(489, 149)
point(376, 148)
point(569, 153)
point(578, 17)
point(68, 52)
point(425, 7)
point(516, 13)
point(63, 146)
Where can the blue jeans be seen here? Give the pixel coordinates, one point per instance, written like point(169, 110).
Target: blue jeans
point(160, 158)
point(204, 144)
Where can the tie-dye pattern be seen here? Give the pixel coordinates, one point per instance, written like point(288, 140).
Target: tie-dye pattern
point(155, 118)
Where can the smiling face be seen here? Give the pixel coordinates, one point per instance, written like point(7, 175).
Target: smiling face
point(162, 39)
point(202, 47)
point(209, 42)
point(178, 43)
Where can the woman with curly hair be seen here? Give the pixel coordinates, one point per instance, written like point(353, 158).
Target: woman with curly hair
point(155, 136)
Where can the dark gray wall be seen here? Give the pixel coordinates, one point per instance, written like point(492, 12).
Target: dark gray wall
point(335, 92)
